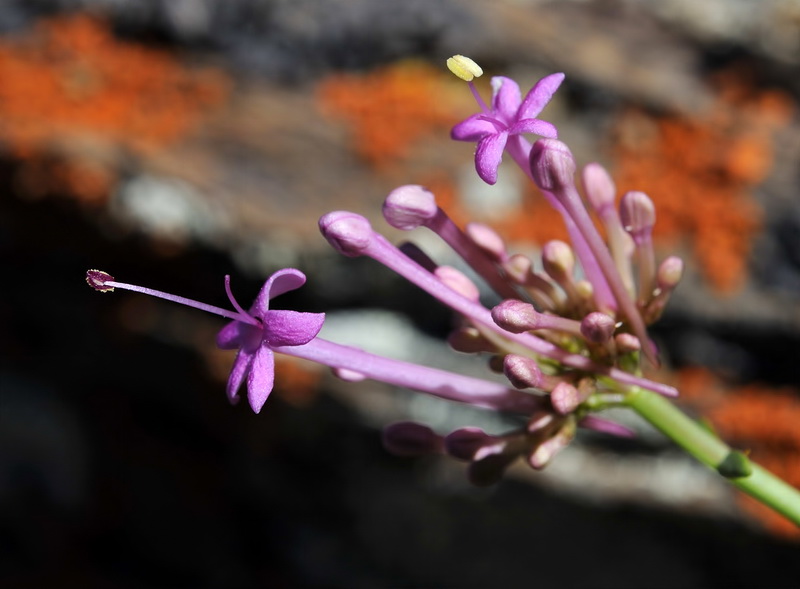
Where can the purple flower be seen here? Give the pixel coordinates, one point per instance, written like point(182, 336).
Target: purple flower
point(271, 329)
point(508, 117)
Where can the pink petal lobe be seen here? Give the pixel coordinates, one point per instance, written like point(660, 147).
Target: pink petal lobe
point(536, 126)
point(473, 128)
point(539, 96)
point(261, 378)
point(488, 156)
point(280, 282)
point(290, 328)
point(506, 98)
point(240, 367)
point(229, 337)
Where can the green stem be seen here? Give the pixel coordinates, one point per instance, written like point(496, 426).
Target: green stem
point(713, 452)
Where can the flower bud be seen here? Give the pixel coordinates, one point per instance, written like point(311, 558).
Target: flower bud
point(465, 442)
point(522, 372)
point(552, 165)
point(411, 439)
point(638, 215)
point(558, 260)
point(597, 327)
point(469, 341)
point(627, 343)
point(599, 188)
point(410, 206)
point(458, 281)
point(669, 273)
point(544, 452)
point(349, 233)
point(516, 316)
point(488, 240)
point(564, 398)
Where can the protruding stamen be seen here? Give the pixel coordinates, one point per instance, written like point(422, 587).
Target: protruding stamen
point(99, 280)
point(104, 282)
point(464, 67)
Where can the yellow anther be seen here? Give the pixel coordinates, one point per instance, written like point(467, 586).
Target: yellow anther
point(464, 67)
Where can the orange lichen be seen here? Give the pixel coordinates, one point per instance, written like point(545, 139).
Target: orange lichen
point(701, 172)
point(70, 77)
point(759, 419)
point(392, 108)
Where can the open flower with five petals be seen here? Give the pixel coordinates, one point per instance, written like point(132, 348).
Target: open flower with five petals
point(268, 329)
point(508, 117)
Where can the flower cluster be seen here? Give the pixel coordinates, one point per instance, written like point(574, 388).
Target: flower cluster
point(568, 334)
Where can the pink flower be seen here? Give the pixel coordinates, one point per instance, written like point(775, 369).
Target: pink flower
point(271, 329)
point(509, 117)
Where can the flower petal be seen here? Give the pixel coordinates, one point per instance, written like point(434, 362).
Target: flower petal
point(537, 126)
point(241, 365)
point(488, 156)
point(539, 96)
point(506, 99)
point(261, 378)
point(230, 336)
point(280, 282)
point(473, 128)
point(290, 328)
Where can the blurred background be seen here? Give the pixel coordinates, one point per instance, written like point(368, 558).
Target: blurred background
point(171, 142)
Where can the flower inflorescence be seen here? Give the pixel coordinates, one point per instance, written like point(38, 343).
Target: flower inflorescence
point(570, 329)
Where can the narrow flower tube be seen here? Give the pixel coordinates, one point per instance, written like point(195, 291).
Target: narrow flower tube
point(553, 166)
point(352, 235)
point(446, 385)
point(601, 193)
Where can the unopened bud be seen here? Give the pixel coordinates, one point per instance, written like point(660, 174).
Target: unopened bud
point(469, 341)
point(465, 442)
point(458, 281)
point(349, 234)
point(408, 207)
point(599, 187)
point(488, 240)
point(558, 260)
point(638, 214)
point(552, 165)
point(669, 273)
point(597, 327)
point(516, 316)
point(411, 439)
point(564, 398)
point(627, 343)
point(522, 372)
